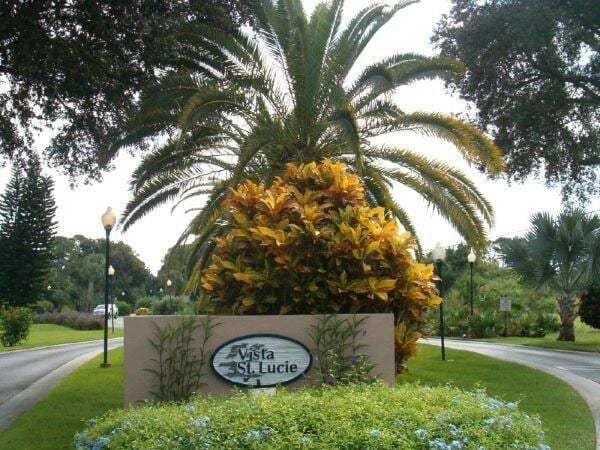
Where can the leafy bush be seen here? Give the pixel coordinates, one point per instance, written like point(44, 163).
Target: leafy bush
point(168, 306)
point(16, 323)
point(141, 311)
point(71, 319)
point(145, 302)
point(589, 307)
point(311, 244)
point(124, 308)
point(490, 323)
point(351, 417)
point(42, 306)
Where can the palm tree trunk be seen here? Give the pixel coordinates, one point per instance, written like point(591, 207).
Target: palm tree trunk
point(566, 311)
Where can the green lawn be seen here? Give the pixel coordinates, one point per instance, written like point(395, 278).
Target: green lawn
point(586, 339)
point(88, 392)
point(567, 420)
point(48, 334)
point(91, 391)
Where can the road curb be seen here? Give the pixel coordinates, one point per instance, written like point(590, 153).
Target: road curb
point(12, 352)
point(12, 408)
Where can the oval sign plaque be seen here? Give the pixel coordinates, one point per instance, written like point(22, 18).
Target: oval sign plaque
point(261, 360)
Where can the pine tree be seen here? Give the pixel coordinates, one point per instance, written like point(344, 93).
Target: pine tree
point(27, 229)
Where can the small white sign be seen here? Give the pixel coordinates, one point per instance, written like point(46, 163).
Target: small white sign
point(505, 304)
point(261, 360)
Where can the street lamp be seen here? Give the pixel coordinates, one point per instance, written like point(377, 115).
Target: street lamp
point(169, 283)
point(111, 274)
point(439, 255)
point(108, 220)
point(471, 258)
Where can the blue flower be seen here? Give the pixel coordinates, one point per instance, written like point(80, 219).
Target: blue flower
point(304, 438)
point(544, 447)
point(91, 421)
point(490, 421)
point(456, 400)
point(437, 444)
point(511, 405)
point(453, 430)
point(375, 433)
point(421, 434)
point(201, 422)
point(253, 434)
point(455, 445)
point(330, 381)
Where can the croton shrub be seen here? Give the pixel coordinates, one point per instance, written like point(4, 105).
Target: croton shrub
point(311, 243)
point(589, 306)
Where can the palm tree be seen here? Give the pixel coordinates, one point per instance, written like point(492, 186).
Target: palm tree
point(561, 254)
point(248, 103)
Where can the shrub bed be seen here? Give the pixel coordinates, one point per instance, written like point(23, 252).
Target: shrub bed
point(350, 417)
point(71, 319)
point(14, 325)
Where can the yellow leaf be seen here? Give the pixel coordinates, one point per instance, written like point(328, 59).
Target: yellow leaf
point(242, 277)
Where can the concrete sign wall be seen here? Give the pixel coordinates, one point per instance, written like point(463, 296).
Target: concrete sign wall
point(255, 351)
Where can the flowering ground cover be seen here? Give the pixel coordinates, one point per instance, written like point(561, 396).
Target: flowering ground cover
point(356, 416)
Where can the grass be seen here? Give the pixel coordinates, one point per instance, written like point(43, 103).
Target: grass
point(91, 391)
point(566, 418)
point(587, 339)
point(51, 424)
point(49, 334)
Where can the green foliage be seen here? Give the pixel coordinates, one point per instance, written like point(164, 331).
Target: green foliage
point(560, 253)
point(338, 355)
point(27, 228)
point(145, 302)
point(15, 325)
point(71, 319)
point(311, 244)
point(42, 306)
point(124, 308)
point(589, 306)
point(83, 65)
point(292, 93)
point(454, 265)
point(532, 72)
point(180, 358)
point(354, 416)
point(167, 306)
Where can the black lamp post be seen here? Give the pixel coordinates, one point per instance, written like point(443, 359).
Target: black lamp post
point(439, 255)
point(169, 284)
point(471, 258)
point(111, 275)
point(108, 222)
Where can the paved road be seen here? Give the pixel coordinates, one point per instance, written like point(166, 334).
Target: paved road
point(580, 369)
point(29, 374)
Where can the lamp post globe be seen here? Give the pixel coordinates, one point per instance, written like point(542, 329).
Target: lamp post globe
point(108, 220)
point(439, 255)
point(471, 258)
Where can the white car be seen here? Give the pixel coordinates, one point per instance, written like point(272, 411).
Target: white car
point(113, 311)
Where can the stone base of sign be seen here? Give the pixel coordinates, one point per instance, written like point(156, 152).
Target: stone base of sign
point(376, 335)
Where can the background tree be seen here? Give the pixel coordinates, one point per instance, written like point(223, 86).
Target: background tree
point(80, 66)
point(27, 228)
point(174, 267)
point(247, 108)
point(533, 73)
point(77, 278)
point(562, 254)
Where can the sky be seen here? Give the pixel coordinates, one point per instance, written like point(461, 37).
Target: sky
point(79, 209)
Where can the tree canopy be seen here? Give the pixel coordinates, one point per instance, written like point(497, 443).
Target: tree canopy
point(533, 74)
point(81, 65)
